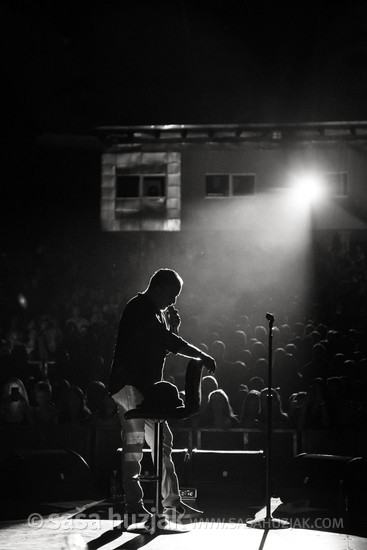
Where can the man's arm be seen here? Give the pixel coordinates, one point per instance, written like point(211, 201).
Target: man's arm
point(188, 350)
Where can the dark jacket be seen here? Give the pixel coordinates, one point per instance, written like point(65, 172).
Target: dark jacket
point(143, 341)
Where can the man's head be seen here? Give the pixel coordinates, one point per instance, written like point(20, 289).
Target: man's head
point(164, 287)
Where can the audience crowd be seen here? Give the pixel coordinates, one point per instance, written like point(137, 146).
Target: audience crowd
point(54, 365)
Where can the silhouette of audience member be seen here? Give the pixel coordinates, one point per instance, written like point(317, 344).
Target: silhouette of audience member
point(240, 374)
point(245, 356)
point(334, 338)
point(278, 366)
point(14, 407)
point(250, 410)
point(106, 414)
point(318, 367)
point(258, 351)
point(284, 334)
point(315, 337)
point(297, 408)
point(60, 391)
point(236, 344)
point(50, 338)
point(285, 375)
point(280, 419)
point(223, 373)
point(74, 409)
point(196, 332)
point(237, 375)
point(350, 369)
point(316, 414)
point(31, 341)
point(261, 334)
point(300, 347)
point(256, 383)
point(95, 393)
point(292, 349)
point(102, 407)
point(96, 370)
point(73, 347)
point(211, 337)
point(322, 330)
point(277, 341)
point(77, 319)
point(44, 410)
point(208, 384)
point(219, 413)
point(237, 398)
point(17, 355)
point(298, 329)
point(243, 324)
point(260, 369)
point(308, 329)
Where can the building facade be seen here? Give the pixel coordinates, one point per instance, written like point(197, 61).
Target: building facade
point(230, 178)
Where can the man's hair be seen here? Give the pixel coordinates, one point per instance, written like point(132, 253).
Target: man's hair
point(166, 277)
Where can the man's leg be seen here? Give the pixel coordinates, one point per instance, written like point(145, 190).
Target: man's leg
point(170, 485)
point(132, 434)
point(170, 488)
point(173, 508)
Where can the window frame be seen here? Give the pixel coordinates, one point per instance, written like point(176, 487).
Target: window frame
point(231, 176)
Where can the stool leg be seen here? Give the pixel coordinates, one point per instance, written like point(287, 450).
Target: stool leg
point(158, 469)
point(158, 465)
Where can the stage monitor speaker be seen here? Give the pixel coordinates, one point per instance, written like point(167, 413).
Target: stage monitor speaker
point(356, 491)
point(231, 475)
point(45, 476)
point(318, 479)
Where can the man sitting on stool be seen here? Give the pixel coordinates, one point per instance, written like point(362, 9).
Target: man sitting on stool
point(143, 341)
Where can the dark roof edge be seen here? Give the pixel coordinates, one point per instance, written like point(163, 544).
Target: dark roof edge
point(233, 127)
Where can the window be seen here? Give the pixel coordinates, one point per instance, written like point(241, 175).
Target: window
point(141, 191)
point(139, 186)
point(229, 185)
point(140, 195)
point(217, 185)
point(154, 186)
point(243, 184)
point(127, 186)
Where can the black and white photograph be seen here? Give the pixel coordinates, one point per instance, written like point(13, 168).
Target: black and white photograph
point(183, 289)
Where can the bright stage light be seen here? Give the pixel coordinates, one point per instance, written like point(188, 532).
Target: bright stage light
point(306, 189)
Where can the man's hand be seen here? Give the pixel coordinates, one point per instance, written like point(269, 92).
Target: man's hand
point(193, 352)
point(174, 319)
point(209, 363)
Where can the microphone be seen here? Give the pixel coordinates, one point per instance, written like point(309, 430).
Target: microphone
point(270, 317)
point(172, 328)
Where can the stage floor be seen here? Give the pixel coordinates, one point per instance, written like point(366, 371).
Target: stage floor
point(94, 525)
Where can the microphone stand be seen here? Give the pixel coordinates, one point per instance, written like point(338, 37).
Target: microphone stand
point(269, 522)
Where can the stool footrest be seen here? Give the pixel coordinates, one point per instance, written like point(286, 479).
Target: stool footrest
point(147, 478)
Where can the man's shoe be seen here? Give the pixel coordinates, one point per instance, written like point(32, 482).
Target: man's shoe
point(182, 511)
point(139, 515)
